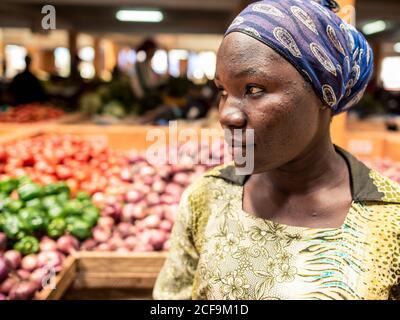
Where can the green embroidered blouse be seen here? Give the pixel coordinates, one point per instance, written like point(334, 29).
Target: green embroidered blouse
point(220, 252)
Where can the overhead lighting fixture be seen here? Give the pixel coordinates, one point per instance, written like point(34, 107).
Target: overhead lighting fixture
point(153, 16)
point(396, 47)
point(374, 27)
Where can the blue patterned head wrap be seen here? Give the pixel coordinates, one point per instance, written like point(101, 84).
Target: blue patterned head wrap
point(331, 54)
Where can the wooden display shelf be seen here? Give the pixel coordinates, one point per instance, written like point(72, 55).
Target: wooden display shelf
point(117, 137)
point(106, 275)
point(115, 270)
point(65, 119)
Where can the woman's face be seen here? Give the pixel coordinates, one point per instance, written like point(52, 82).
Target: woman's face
point(262, 91)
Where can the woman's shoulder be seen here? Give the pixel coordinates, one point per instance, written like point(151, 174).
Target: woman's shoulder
point(385, 210)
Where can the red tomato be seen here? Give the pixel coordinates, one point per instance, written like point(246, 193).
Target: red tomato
point(63, 172)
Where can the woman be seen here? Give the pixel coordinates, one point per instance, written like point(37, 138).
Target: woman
point(311, 221)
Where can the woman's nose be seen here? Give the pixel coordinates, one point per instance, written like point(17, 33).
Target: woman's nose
point(231, 117)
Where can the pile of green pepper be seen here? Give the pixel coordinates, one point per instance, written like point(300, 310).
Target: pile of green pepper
point(43, 210)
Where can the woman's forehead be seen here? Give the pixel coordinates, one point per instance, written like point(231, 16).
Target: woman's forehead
point(244, 56)
point(241, 48)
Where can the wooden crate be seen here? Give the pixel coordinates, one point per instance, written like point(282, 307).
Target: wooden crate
point(106, 275)
point(118, 270)
point(62, 283)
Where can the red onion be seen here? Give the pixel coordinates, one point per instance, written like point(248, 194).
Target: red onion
point(111, 200)
point(23, 290)
point(38, 275)
point(2, 297)
point(139, 211)
point(152, 221)
point(124, 229)
point(3, 269)
point(3, 241)
point(115, 243)
point(181, 178)
point(29, 262)
point(98, 199)
point(141, 247)
point(7, 284)
point(23, 274)
point(13, 258)
point(174, 190)
point(148, 180)
point(144, 237)
point(157, 239)
point(106, 223)
point(131, 242)
point(122, 250)
point(50, 259)
point(167, 245)
point(103, 247)
point(108, 211)
point(133, 196)
point(88, 245)
point(147, 171)
point(168, 199)
point(127, 212)
point(67, 244)
point(126, 174)
point(47, 244)
point(159, 186)
point(166, 225)
point(101, 235)
point(157, 210)
point(153, 198)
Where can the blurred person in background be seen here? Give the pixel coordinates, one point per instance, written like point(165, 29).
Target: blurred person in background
point(26, 87)
point(146, 83)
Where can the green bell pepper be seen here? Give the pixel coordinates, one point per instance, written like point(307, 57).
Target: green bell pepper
point(24, 180)
point(7, 185)
point(12, 226)
point(27, 245)
point(56, 228)
point(62, 197)
point(81, 229)
point(32, 219)
point(34, 203)
point(56, 188)
point(29, 191)
point(13, 205)
point(55, 212)
point(91, 215)
point(2, 221)
point(70, 220)
point(82, 196)
point(73, 207)
point(49, 201)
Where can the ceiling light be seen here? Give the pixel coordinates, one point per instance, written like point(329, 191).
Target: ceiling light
point(374, 27)
point(140, 15)
point(396, 47)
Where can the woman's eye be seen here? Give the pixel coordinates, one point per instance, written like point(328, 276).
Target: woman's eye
point(254, 90)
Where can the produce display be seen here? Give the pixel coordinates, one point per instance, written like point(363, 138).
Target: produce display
point(33, 112)
point(32, 217)
point(61, 193)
